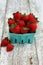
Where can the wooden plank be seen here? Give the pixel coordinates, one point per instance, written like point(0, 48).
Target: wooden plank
point(39, 35)
point(4, 56)
point(2, 12)
point(25, 52)
point(2, 19)
point(39, 47)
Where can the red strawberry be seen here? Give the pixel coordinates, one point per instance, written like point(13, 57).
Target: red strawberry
point(5, 42)
point(24, 30)
point(33, 27)
point(28, 24)
point(17, 15)
point(32, 18)
point(12, 27)
point(25, 17)
point(9, 47)
point(15, 29)
point(21, 23)
point(11, 21)
point(0, 45)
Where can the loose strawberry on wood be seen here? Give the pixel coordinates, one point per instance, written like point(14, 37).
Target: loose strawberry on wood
point(9, 47)
point(5, 42)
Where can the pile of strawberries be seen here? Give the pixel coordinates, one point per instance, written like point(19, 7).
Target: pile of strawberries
point(7, 43)
point(22, 23)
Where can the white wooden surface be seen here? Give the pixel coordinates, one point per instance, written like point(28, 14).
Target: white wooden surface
point(22, 53)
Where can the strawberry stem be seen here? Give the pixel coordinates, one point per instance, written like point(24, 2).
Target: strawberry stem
point(33, 22)
point(17, 12)
point(36, 18)
point(24, 14)
point(7, 39)
point(10, 19)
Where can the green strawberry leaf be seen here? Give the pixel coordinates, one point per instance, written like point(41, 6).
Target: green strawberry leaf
point(13, 25)
point(24, 14)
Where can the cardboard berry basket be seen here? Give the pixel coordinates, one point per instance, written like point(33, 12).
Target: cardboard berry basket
point(22, 38)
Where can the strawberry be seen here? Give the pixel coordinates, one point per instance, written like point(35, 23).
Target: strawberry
point(17, 15)
point(32, 18)
point(12, 28)
point(5, 42)
point(21, 23)
point(11, 21)
point(25, 17)
point(15, 29)
point(33, 27)
point(9, 47)
point(24, 30)
point(28, 24)
point(0, 45)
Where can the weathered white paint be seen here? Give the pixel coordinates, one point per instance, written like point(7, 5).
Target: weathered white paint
point(22, 53)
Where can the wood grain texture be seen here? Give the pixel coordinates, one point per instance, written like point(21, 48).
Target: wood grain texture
point(2, 13)
point(22, 53)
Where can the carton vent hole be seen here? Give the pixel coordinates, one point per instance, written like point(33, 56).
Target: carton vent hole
point(28, 40)
point(15, 40)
